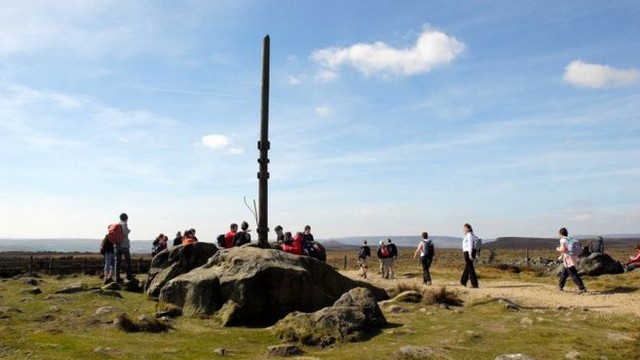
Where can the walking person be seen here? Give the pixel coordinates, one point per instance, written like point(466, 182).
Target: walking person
point(383, 255)
point(569, 248)
point(122, 250)
point(393, 256)
point(427, 252)
point(469, 253)
point(363, 259)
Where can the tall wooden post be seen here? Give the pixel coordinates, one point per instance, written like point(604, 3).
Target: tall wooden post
point(263, 146)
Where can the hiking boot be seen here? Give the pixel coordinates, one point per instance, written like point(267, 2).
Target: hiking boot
point(428, 283)
point(581, 291)
point(560, 289)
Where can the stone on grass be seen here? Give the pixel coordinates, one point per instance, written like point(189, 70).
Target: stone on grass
point(71, 289)
point(598, 264)
point(354, 317)
point(414, 353)
point(514, 357)
point(285, 350)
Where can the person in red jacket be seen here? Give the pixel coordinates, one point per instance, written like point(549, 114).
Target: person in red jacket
point(293, 246)
point(634, 261)
point(229, 236)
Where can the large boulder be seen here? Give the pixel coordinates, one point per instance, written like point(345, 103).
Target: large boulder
point(599, 264)
point(174, 262)
point(253, 286)
point(353, 317)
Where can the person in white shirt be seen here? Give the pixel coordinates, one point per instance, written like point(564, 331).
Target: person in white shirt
point(469, 272)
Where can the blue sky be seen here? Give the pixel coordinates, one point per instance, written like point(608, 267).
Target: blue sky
point(387, 117)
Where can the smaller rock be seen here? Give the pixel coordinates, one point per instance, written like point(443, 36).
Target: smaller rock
point(71, 289)
point(285, 350)
point(619, 337)
point(220, 351)
point(34, 290)
point(107, 293)
point(397, 309)
point(526, 321)
point(572, 355)
point(105, 310)
point(514, 357)
point(112, 286)
point(54, 309)
point(414, 352)
point(29, 280)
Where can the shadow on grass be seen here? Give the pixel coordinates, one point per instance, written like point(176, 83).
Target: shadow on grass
point(619, 290)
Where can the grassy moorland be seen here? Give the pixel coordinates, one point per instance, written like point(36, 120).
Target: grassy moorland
point(66, 326)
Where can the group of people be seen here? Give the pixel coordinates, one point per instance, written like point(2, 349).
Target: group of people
point(116, 250)
point(569, 249)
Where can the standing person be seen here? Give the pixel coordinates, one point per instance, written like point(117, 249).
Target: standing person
point(597, 245)
point(569, 260)
point(230, 235)
point(106, 249)
point(363, 259)
point(469, 253)
point(383, 257)
point(122, 249)
point(178, 239)
point(393, 256)
point(427, 252)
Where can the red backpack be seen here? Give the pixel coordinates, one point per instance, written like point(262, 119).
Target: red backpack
point(115, 234)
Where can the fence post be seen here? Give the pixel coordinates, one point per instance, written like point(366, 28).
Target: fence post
point(50, 265)
point(30, 265)
point(345, 262)
point(527, 254)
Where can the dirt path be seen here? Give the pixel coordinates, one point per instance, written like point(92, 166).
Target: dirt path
point(535, 295)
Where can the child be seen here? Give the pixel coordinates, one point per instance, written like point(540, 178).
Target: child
point(106, 249)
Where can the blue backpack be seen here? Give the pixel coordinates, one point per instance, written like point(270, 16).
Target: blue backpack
point(573, 246)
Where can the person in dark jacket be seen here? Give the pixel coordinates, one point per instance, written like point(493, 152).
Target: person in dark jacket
point(427, 252)
point(178, 239)
point(393, 256)
point(383, 254)
point(364, 254)
point(106, 249)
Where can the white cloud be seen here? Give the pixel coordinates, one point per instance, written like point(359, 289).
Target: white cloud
point(294, 80)
point(215, 141)
point(323, 111)
point(326, 75)
point(595, 76)
point(432, 48)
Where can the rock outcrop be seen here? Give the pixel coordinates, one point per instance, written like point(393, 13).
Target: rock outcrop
point(252, 286)
point(353, 317)
point(599, 264)
point(176, 261)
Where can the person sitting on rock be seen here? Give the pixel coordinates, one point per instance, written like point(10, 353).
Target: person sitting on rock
point(242, 237)
point(189, 237)
point(159, 244)
point(230, 236)
point(306, 235)
point(279, 234)
point(178, 239)
point(634, 261)
point(292, 245)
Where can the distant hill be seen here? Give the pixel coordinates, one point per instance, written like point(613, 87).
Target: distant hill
point(512, 242)
point(65, 245)
point(444, 242)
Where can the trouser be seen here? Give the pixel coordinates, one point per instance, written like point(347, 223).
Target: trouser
point(426, 264)
point(469, 272)
point(120, 253)
point(364, 265)
point(386, 267)
point(391, 260)
point(109, 263)
point(571, 271)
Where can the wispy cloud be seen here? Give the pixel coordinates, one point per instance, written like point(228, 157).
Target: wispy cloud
point(595, 76)
point(431, 49)
point(220, 142)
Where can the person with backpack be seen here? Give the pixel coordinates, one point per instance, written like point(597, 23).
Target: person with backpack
point(242, 237)
point(393, 256)
point(106, 249)
point(570, 250)
point(383, 256)
point(364, 254)
point(469, 254)
point(427, 252)
point(122, 249)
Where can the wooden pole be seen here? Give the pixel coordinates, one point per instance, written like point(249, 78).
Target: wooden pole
point(263, 146)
